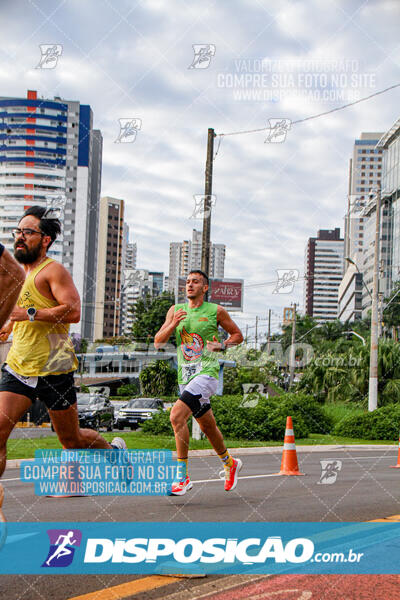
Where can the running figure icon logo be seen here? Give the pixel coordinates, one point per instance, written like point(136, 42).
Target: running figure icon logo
point(286, 281)
point(62, 547)
point(50, 54)
point(330, 470)
point(128, 129)
point(203, 54)
point(277, 130)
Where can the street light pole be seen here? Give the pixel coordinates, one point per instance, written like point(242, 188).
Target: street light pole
point(373, 360)
point(351, 261)
point(356, 334)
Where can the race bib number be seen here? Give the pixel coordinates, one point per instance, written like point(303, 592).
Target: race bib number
point(188, 371)
point(29, 381)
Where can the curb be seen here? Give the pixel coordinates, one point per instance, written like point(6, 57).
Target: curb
point(16, 463)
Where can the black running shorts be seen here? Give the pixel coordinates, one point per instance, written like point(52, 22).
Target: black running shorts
point(56, 391)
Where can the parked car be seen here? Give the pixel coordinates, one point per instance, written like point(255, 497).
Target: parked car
point(136, 411)
point(95, 411)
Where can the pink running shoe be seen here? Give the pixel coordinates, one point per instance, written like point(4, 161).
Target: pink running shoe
point(179, 488)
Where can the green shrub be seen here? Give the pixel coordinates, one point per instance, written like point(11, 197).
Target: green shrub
point(159, 424)
point(303, 405)
point(129, 389)
point(381, 424)
point(256, 417)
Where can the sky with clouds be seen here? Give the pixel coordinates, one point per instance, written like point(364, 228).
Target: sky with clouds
point(267, 60)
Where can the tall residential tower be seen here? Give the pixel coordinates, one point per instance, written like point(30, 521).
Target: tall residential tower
point(49, 152)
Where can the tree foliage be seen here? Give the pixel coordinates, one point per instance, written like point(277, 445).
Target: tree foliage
point(391, 314)
point(149, 314)
point(158, 379)
point(345, 376)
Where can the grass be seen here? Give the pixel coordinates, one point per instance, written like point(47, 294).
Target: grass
point(339, 410)
point(25, 448)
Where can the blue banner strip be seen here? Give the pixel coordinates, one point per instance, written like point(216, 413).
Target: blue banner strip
point(208, 548)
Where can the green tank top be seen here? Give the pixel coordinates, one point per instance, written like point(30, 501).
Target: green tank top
point(192, 334)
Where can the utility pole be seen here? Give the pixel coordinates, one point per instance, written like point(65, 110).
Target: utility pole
point(205, 248)
point(255, 339)
point(373, 359)
point(269, 332)
point(205, 245)
point(380, 314)
point(292, 348)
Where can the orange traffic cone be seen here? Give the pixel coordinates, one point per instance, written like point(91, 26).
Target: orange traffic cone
point(289, 464)
point(398, 459)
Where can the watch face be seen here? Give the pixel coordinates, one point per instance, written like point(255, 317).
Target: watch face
point(31, 311)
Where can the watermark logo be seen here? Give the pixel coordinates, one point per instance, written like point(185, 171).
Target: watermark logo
point(251, 394)
point(55, 205)
point(286, 281)
point(128, 129)
point(203, 205)
point(311, 80)
point(329, 471)
point(203, 54)
point(277, 130)
point(63, 543)
point(50, 54)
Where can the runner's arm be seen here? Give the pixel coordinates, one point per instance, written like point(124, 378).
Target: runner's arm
point(172, 320)
point(224, 320)
point(64, 292)
point(12, 278)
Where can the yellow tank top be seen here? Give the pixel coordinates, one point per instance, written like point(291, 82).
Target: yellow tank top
point(40, 348)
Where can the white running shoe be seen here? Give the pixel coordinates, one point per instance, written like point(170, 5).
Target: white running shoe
point(119, 444)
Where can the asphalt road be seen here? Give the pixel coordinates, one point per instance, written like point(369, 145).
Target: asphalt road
point(365, 489)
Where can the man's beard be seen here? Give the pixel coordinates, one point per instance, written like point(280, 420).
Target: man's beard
point(25, 256)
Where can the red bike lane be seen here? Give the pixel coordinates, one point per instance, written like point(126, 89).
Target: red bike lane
point(317, 587)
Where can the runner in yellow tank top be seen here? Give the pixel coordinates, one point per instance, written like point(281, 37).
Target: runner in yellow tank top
point(41, 361)
point(40, 348)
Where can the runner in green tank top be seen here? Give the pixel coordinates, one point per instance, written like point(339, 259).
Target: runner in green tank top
point(195, 325)
point(192, 335)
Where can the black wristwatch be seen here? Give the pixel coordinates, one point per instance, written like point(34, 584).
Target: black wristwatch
point(31, 313)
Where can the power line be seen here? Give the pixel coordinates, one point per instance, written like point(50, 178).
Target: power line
point(313, 116)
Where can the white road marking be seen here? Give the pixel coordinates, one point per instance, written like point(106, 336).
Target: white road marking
point(257, 476)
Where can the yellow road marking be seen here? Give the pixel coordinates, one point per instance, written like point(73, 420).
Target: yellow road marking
point(128, 589)
point(393, 518)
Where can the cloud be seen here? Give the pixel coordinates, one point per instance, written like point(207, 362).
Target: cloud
point(131, 60)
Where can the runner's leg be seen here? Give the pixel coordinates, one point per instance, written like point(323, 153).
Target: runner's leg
point(209, 427)
point(66, 426)
point(12, 408)
point(231, 465)
point(179, 416)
